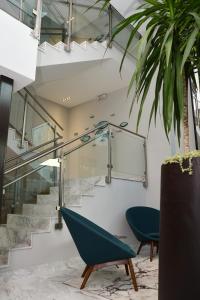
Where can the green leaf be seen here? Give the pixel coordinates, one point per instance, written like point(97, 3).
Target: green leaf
point(197, 18)
point(190, 44)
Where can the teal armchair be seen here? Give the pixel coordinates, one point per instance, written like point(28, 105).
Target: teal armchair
point(145, 224)
point(97, 247)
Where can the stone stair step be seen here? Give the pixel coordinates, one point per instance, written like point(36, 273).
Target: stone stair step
point(43, 210)
point(30, 223)
point(50, 199)
point(4, 255)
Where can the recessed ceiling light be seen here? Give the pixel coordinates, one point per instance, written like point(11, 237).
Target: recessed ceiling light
point(66, 99)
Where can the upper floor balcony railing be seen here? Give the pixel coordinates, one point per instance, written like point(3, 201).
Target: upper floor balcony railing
point(68, 21)
point(28, 12)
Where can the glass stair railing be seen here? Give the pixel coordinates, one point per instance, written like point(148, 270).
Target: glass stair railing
point(71, 169)
point(79, 22)
point(20, 10)
point(29, 12)
point(33, 129)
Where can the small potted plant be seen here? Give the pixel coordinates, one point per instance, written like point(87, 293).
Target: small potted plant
point(169, 54)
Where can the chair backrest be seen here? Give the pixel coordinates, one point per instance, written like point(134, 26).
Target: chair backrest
point(143, 219)
point(95, 245)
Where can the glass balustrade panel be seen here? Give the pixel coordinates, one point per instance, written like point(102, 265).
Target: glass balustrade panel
point(26, 190)
point(85, 167)
point(89, 24)
point(128, 156)
point(121, 39)
point(21, 10)
point(16, 117)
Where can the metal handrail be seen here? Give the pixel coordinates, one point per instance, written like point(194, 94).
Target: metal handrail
point(32, 150)
point(37, 112)
point(20, 9)
point(66, 144)
point(41, 167)
point(40, 105)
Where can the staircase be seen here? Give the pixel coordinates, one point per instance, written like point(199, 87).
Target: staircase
point(81, 186)
point(37, 218)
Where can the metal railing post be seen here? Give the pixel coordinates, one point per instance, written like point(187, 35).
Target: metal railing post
point(59, 225)
point(21, 15)
point(110, 26)
point(69, 26)
point(55, 156)
point(24, 123)
point(108, 178)
point(38, 21)
point(145, 184)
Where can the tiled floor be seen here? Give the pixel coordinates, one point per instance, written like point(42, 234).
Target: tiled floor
point(61, 281)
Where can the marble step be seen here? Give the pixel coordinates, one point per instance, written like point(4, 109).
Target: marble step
point(49, 199)
point(43, 210)
point(79, 190)
point(4, 256)
point(29, 223)
point(14, 238)
point(70, 200)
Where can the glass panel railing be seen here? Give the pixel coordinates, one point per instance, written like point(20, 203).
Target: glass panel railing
point(74, 168)
point(128, 156)
point(89, 25)
point(33, 130)
point(86, 24)
point(54, 16)
point(20, 10)
point(85, 167)
point(25, 191)
point(121, 39)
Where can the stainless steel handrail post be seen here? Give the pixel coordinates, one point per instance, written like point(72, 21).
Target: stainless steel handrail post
point(59, 225)
point(108, 178)
point(145, 184)
point(38, 13)
point(69, 26)
point(21, 15)
point(110, 15)
point(55, 156)
point(24, 122)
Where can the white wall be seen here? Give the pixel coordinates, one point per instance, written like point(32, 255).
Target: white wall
point(18, 51)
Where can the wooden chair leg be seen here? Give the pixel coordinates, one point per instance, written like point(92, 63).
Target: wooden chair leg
point(151, 250)
point(126, 268)
point(87, 275)
point(140, 247)
point(84, 272)
point(157, 246)
point(132, 274)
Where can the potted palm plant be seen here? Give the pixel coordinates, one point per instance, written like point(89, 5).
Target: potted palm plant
point(169, 54)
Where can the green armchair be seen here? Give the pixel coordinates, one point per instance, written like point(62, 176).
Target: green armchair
point(145, 223)
point(97, 247)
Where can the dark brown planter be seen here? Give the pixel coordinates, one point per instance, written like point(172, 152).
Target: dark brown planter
point(179, 264)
